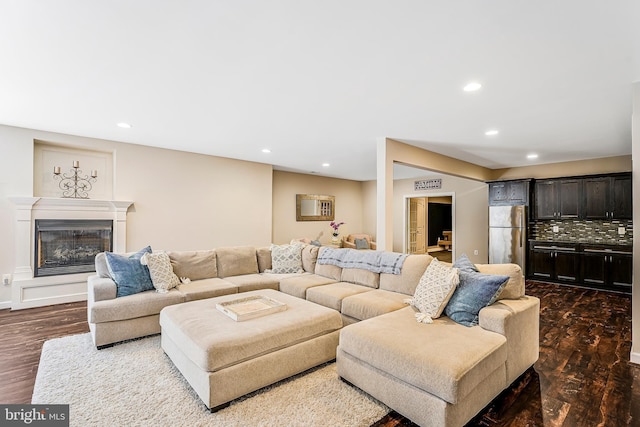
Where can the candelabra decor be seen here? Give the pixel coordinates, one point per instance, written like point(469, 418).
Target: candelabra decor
point(74, 185)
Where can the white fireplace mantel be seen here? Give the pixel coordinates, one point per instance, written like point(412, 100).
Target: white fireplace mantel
point(29, 291)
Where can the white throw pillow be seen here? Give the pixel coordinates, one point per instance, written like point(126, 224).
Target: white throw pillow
point(286, 259)
point(434, 290)
point(160, 270)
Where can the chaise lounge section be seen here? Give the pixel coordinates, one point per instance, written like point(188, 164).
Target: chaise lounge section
point(444, 373)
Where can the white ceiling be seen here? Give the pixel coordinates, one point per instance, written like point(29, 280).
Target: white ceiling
point(320, 81)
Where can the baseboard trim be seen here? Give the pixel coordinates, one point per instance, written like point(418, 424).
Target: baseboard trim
point(5, 304)
point(635, 358)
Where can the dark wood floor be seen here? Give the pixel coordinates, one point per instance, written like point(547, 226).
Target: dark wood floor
point(583, 376)
point(22, 333)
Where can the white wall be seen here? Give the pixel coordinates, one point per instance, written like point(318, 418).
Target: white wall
point(181, 200)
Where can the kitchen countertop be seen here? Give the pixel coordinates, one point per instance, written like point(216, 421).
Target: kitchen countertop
point(584, 242)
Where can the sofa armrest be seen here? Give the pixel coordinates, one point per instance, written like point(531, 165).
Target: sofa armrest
point(518, 321)
point(372, 245)
point(100, 289)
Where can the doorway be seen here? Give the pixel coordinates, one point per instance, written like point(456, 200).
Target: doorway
point(430, 224)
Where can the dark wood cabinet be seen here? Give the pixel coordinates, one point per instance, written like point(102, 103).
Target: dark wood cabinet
point(503, 193)
point(608, 197)
point(592, 197)
point(558, 199)
point(569, 198)
point(607, 267)
point(556, 262)
point(546, 199)
point(622, 195)
point(597, 193)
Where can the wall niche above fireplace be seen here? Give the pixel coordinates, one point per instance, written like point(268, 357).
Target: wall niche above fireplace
point(69, 246)
point(47, 155)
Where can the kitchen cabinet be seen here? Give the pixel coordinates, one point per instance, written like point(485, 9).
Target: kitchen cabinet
point(558, 198)
point(622, 197)
point(607, 267)
point(608, 197)
point(505, 193)
point(555, 262)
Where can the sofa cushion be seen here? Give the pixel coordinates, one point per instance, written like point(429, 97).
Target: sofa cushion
point(475, 291)
point(406, 282)
point(160, 270)
point(251, 282)
point(371, 304)
point(129, 274)
point(286, 259)
point(328, 270)
point(236, 261)
point(206, 288)
point(514, 288)
point(360, 276)
point(298, 285)
point(142, 304)
point(332, 295)
point(434, 290)
point(195, 265)
point(309, 258)
point(444, 358)
point(264, 258)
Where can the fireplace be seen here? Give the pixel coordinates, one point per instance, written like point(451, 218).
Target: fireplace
point(65, 246)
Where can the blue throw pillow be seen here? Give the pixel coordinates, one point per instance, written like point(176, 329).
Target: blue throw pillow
point(362, 243)
point(130, 275)
point(463, 263)
point(475, 291)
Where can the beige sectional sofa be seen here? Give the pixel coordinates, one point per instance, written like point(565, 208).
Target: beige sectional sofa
point(435, 374)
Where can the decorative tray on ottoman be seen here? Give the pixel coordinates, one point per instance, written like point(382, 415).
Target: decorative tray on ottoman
point(250, 307)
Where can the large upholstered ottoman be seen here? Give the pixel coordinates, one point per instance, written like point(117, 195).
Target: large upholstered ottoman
point(224, 359)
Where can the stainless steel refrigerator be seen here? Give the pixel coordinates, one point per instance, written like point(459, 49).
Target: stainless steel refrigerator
point(508, 235)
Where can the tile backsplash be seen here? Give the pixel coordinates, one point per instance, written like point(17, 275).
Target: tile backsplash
point(583, 231)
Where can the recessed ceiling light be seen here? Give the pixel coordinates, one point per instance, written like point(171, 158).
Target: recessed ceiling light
point(491, 132)
point(124, 125)
point(266, 150)
point(325, 165)
point(472, 87)
point(532, 156)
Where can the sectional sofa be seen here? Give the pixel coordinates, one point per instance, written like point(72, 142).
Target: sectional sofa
point(435, 374)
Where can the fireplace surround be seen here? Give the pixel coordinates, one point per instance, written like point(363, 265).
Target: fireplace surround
point(31, 288)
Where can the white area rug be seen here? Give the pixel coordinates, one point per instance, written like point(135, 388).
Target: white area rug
point(136, 384)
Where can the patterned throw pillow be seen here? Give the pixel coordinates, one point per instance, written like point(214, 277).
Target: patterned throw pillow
point(434, 289)
point(130, 276)
point(286, 259)
point(161, 271)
